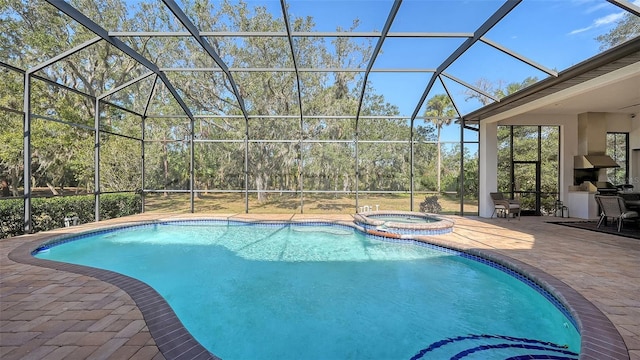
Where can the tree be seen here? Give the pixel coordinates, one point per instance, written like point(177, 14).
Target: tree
point(626, 29)
point(62, 153)
point(277, 158)
point(497, 89)
point(442, 111)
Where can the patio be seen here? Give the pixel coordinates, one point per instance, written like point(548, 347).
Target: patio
point(56, 314)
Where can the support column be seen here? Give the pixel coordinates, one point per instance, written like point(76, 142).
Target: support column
point(488, 167)
point(192, 174)
point(26, 142)
point(357, 170)
point(96, 161)
point(142, 178)
point(411, 172)
point(300, 168)
point(246, 169)
point(461, 167)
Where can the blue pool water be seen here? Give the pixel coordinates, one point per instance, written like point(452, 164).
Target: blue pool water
point(325, 292)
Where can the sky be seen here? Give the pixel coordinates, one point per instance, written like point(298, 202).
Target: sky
point(556, 34)
point(553, 33)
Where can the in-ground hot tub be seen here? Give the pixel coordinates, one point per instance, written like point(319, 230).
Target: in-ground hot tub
point(399, 223)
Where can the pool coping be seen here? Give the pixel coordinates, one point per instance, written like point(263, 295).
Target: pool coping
point(599, 337)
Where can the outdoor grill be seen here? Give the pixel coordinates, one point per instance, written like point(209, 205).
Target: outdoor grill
point(605, 188)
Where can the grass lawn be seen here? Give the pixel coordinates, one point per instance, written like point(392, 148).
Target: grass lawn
point(291, 203)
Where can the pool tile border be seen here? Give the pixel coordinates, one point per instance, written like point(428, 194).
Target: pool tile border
point(600, 340)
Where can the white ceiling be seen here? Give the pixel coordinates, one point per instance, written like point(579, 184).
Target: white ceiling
point(618, 92)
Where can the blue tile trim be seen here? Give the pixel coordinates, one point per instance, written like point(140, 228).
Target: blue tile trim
point(515, 342)
point(198, 222)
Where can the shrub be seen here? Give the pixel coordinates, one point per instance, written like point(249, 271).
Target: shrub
point(119, 205)
point(11, 217)
point(430, 205)
point(49, 213)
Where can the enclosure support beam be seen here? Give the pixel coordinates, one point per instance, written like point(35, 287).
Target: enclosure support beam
point(519, 57)
point(120, 45)
point(411, 164)
point(630, 7)
point(143, 124)
point(392, 14)
point(192, 174)
point(64, 55)
point(295, 66)
point(282, 34)
point(96, 160)
point(288, 69)
point(127, 84)
point(184, 19)
point(28, 225)
point(357, 167)
point(466, 45)
point(461, 167)
point(383, 35)
point(195, 33)
point(143, 120)
point(76, 91)
point(453, 103)
point(469, 86)
point(246, 168)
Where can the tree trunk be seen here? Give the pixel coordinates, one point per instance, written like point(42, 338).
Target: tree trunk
point(260, 187)
point(14, 185)
point(165, 164)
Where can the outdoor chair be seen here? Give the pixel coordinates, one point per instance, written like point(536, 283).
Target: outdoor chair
point(614, 207)
point(504, 206)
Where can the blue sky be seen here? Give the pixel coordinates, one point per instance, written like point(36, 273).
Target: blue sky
point(555, 34)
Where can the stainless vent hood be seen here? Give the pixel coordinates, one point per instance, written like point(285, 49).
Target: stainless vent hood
point(593, 162)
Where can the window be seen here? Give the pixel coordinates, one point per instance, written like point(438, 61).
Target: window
point(528, 166)
point(618, 149)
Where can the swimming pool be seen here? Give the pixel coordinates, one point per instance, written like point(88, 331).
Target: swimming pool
point(318, 291)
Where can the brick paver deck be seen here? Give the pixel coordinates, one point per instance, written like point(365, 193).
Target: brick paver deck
point(69, 313)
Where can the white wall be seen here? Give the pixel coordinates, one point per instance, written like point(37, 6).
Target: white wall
point(488, 181)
